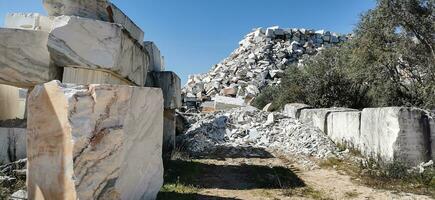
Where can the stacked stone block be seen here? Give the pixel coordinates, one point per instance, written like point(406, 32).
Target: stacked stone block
point(99, 133)
point(389, 134)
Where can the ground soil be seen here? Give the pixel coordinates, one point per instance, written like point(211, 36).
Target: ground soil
point(271, 177)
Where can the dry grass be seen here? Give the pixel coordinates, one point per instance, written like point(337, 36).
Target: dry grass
point(389, 177)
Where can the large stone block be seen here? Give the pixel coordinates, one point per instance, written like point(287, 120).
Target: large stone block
point(24, 58)
point(395, 134)
point(344, 128)
point(92, 44)
point(94, 9)
point(169, 130)
point(156, 60)
point(293, 110)
point(12, 102)
point(318, 117)
point(432, 135)
point(94, 142)
point(170, 84)
point(12, 144)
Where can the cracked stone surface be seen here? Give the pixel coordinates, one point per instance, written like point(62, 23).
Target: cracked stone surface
point(94, 142)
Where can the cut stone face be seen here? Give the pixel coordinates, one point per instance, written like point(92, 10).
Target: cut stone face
point(169, 130)
point(395, 134)
point(94, 9)
point(432, 136)
point(12, 102)
point(12, 144)
point(344, 128)
point(86, 76)
point(318, 117)
point(24, 58)
point(170, 84)
point(293, 110)
point(156, 60)
point(94, 142)
point(92, 44)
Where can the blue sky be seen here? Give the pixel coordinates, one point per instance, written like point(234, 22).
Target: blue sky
point(193, 35)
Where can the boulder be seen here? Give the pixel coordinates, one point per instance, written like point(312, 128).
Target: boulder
point(344, 128)
point(156, 60)
point(12, 144)
point(94, 9)
point(94, 142)
point(97, 45)
point(318, 117)
point(170, 84)
point(395, 134)
point(293, 110)
point(24, 58)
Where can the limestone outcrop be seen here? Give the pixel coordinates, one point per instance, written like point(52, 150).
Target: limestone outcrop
point(94, 142)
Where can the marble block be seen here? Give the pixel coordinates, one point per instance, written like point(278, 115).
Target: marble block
point(92, 44)
point(169, 130)
point(395, 134)
point(94, 142)
point(94, 9)
point(156, 60)
point(170, 84)
point(24, 58)
point(319, 117)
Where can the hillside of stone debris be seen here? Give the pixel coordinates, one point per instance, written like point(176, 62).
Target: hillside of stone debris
point(259, 61)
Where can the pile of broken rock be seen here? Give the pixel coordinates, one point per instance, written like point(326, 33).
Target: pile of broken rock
point(260, 61)
point(247, 128)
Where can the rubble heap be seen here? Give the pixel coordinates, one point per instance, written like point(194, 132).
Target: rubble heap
point(250, 127)
point(260, 61)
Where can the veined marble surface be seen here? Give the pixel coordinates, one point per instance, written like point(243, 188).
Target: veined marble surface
point(92, 44)
point(94, 9)
point(24, 58)
point(94, 142)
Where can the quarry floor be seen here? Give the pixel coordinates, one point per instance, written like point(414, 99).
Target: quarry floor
point(266, 177)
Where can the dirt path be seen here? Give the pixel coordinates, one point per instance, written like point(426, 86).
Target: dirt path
point(267, 178)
